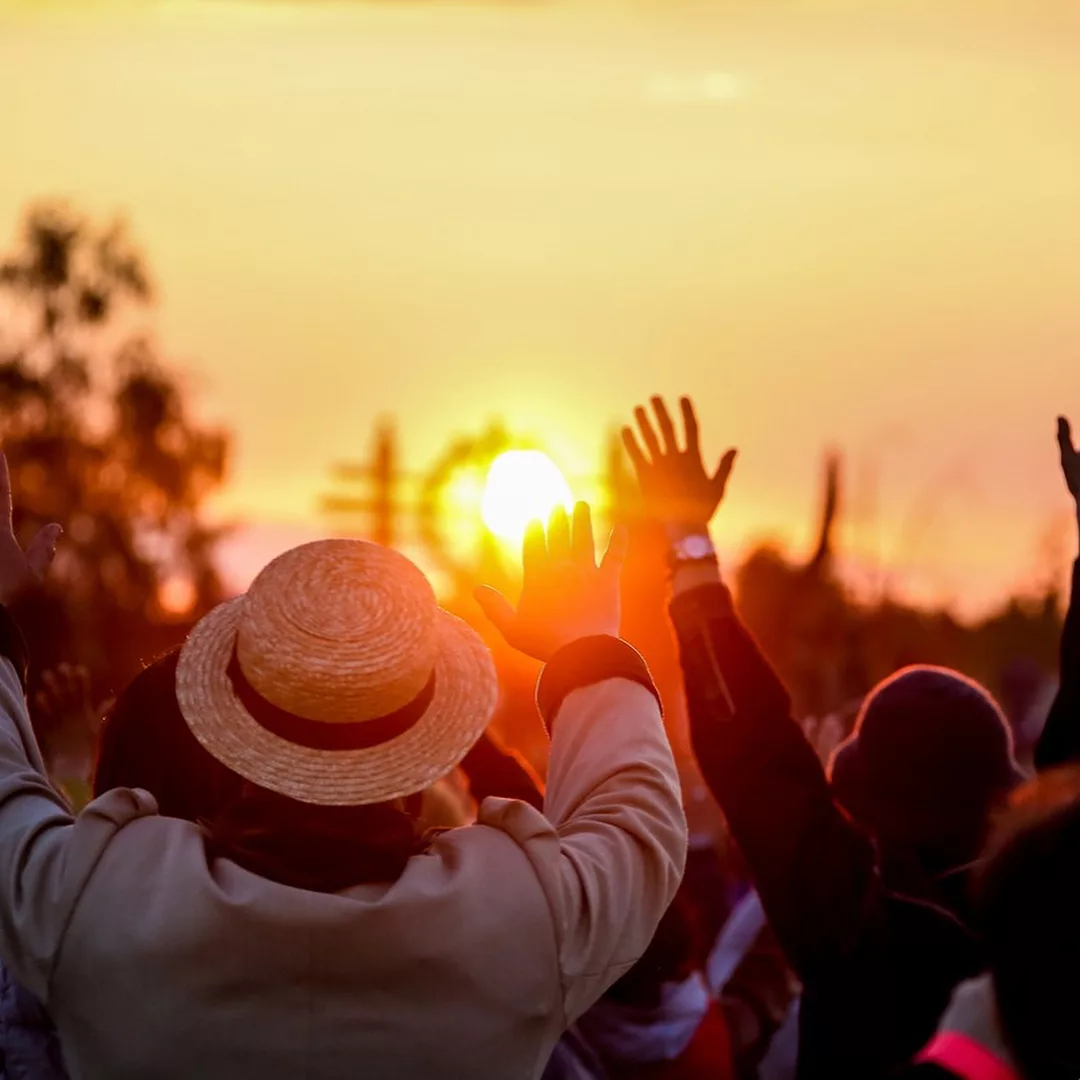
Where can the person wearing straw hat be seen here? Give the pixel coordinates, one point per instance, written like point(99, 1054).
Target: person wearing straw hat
point(336, 686)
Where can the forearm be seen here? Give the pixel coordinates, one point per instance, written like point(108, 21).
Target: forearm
point(32, 816)
point(811, 866)
point(613, 797)
point(1059, 743)
point(598, 699)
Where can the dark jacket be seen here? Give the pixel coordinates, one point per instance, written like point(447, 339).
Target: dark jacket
point(29, 1047)
point(877, 965)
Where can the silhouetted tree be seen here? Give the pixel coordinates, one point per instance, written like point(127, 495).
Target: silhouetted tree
point(99, 437)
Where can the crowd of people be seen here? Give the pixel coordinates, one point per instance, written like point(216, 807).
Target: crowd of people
point(305, 854)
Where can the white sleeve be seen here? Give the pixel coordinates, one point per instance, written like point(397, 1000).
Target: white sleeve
point(45, 856)
point(614, 858)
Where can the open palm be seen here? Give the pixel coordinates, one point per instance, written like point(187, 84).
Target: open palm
point(565, 595)
point(677, 490)
point(21, 570)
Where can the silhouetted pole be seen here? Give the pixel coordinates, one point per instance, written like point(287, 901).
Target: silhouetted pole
point(822, 559)
point(385, 484)
point(380, 507)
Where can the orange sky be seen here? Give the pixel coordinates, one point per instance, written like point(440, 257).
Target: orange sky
point(831, 227)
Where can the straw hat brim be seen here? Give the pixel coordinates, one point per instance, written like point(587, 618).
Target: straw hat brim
point(466, 691)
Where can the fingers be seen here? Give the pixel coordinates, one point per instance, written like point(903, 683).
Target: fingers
point(6, 505)
point(647, 433)
point(583, 548)
point(690, 426)
point(667, 428)
point(496, 607)
point(42, 549)
point(723, 472)
point(534, 553)
point(616, 551)
point(1065, 443)
point(558, 536)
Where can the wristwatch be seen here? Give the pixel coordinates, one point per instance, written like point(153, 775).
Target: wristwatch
point(697, 547)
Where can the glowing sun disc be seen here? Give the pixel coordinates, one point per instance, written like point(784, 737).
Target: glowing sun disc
point(522, 485)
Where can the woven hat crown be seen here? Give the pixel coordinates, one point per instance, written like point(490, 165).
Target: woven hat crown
point(338, 631)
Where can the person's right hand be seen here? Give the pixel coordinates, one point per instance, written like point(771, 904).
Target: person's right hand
point(564, 595)
point(677, 491)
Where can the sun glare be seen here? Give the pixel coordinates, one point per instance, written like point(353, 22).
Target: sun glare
point(522, 485)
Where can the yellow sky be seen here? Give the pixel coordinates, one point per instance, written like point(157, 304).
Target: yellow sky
point(831, 227)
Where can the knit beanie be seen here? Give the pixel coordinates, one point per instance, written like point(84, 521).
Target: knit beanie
point(930, 756)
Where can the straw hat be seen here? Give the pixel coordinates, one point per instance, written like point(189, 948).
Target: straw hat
point(337, 679)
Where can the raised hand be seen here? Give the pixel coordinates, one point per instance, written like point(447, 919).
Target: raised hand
point(677, 490)
point(21, 570)
point(564, 595)
point(1070, 457)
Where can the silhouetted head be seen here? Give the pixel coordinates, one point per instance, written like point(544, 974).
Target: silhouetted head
point(337, 689)
point(145, 743)
point(336, 679)
point(930, 756)
point(1028, 910)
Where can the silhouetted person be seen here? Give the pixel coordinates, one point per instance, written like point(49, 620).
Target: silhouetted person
point(314, 933)
point(866, 920)
point(1019, 1019)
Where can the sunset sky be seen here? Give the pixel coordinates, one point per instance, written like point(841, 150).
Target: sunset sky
point(848, 225)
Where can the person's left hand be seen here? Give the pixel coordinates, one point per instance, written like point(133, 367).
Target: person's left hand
point(677, 490)
point(1070, 463)
point(21, 570)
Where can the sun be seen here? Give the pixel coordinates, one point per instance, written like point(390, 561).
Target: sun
point(522, 485)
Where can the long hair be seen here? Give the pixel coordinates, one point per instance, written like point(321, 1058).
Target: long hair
point(146, 743)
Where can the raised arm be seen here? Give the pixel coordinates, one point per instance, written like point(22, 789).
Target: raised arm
point(1060, 740)
point(814, 869)
point(34, 821)
point(615, 857)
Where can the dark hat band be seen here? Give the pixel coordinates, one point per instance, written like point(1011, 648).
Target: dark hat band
point(320, 735)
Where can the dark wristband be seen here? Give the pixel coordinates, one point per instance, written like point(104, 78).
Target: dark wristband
point(586, 662)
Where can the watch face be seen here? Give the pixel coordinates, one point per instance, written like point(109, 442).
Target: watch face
point(696, 547)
